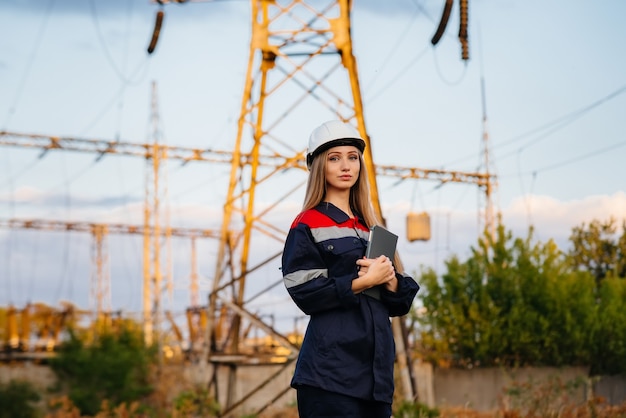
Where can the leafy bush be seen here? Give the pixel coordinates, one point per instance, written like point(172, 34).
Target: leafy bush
point(114, 368)
point(519, 303)
point(16, 400)
point(609, 349)
point(196, 403)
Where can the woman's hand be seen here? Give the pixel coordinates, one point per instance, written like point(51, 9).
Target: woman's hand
point(375, 271)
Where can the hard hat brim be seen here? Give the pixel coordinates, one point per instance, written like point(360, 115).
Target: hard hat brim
point(356, 142)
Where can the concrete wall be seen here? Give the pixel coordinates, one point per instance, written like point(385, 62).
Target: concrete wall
point(489, 389)
point(41, 377)
point(477, 389)
point(256, 387)
point(273, 380)
point(611, 388)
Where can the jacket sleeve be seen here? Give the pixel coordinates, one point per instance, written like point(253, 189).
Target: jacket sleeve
point(305, 275)
point(399, 302)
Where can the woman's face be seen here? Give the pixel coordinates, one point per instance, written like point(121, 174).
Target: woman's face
point(342, 167)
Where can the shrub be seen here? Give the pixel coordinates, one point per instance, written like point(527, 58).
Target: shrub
point(17, 399)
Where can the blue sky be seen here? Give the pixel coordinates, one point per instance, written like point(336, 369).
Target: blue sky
point(555, 94)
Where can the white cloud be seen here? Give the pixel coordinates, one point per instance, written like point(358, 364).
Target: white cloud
point(555, 219)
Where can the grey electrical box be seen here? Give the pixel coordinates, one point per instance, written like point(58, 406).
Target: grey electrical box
point(417, 226)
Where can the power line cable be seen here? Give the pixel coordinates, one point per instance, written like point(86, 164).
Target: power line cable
point(555, 124)
point(120, 106)
point(66, 182)
point(34, 264)
point(115, 98)
point(66, 253)
point(105, 49)
point(11, 112)
point(420, 7)
point(443, 78)
point(29, 64)
point(557, 127)
point(11, 178)
point(523, 187)
point(535, 173)
point(393, 50)
point(575, 159)
point(398, 75)
point(568, 118)
point(135, 77)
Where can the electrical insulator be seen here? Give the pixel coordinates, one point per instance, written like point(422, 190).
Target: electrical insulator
point(463, 22)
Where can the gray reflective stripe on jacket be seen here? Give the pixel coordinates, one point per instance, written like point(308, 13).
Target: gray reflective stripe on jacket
point(303, 276)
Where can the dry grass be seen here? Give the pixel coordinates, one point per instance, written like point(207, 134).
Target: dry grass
point(596, 408)
point(285, 412)
point(593, 409)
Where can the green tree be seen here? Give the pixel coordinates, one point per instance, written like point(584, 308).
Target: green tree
point(599, 249)
point(513, 302)
point(609, 350)
point(17, 399)
point(115, 367)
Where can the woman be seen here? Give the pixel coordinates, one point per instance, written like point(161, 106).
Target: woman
point(345, 366)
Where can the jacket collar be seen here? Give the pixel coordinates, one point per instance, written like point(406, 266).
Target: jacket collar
point(336, 214)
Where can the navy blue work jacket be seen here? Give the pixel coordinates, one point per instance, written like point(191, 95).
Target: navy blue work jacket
point(348, 346)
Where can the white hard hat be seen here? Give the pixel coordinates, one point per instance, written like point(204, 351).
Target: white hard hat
point(331, 134)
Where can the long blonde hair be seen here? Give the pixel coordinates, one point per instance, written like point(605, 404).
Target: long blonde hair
point(359, 193)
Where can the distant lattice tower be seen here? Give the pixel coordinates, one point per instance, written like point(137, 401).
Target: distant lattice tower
point(301, 67)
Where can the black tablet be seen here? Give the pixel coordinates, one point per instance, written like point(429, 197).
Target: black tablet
point(381, 242)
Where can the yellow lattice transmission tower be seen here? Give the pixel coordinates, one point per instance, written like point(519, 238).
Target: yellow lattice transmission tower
point(301, 67)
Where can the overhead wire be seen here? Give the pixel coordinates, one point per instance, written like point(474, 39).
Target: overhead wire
point(397, 77)
point(12, 177)
point(64, 274)
point(576, 159)
point(400, 73)
point(33, 266)
point(119, 93)
point(392, 51)
point(567, 118)
point(120, 106)
point(62, 284)
point(105, 49)
point(136, 76)
point(11, 112)
point(555, 124)
point(442, 76)
point(421, 8)
point(29, 64)
point(553, 127)
point(117, 96)
point(523, 188)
